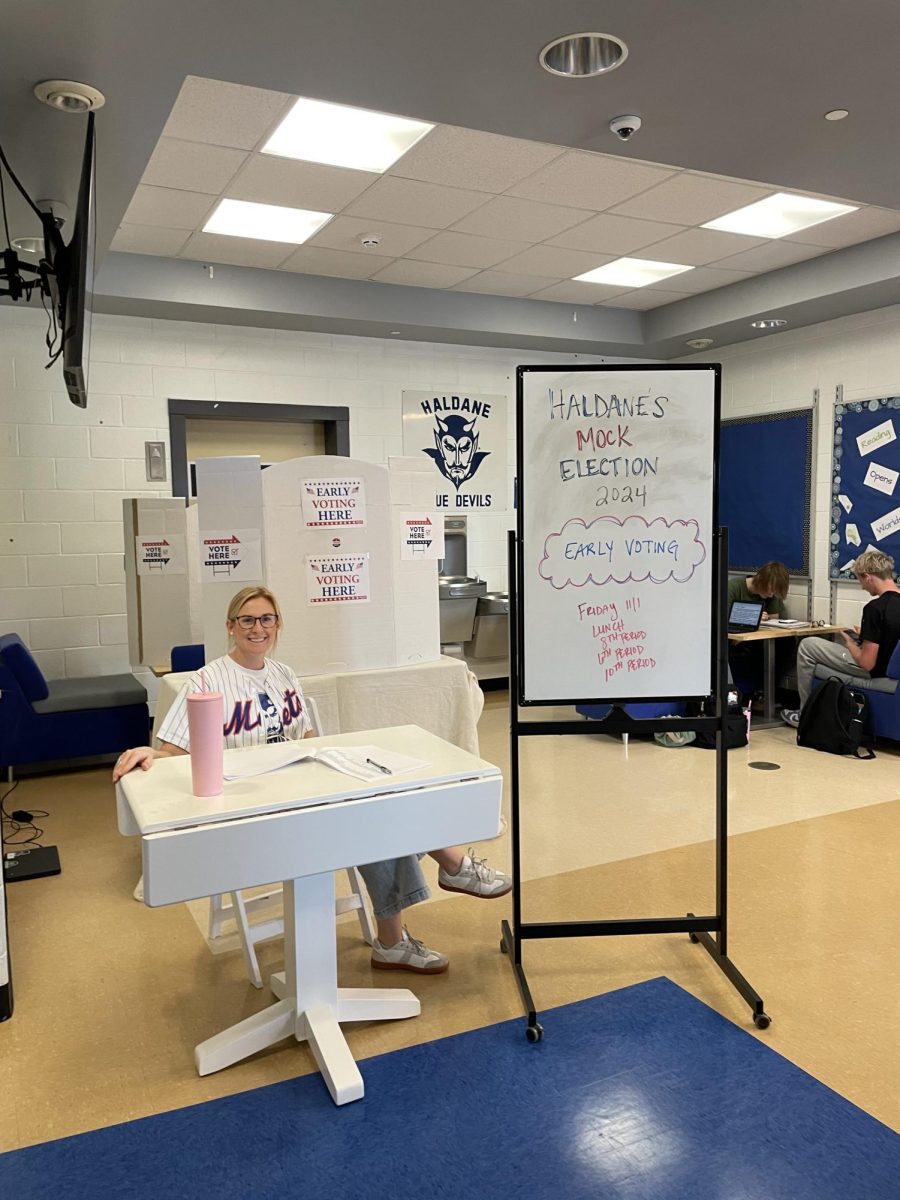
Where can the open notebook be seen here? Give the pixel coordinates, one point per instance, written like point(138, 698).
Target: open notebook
point(361, 762)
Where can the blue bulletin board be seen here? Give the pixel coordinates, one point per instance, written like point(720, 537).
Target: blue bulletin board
point(865, 485)
point(765, 476)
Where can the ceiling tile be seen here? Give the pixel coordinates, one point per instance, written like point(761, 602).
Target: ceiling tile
point(485, 161)
point(344, 233)
point(592, 181)
point(695, 247)
point(268, 179)
point(318, 260)
point(690, 199)
point(192, 167)
point(409, 202)
point(498, 283)
point(168, 207)
point(421, 274)
point(643, 299)
point(859, 226)
point(704, 279)
point(236, 251)
point(466, 250)
point(149, 239)
point(224, 114)
point(574, 292)
point(554, 262)
point(613, 235)
point(508, 216)
point(780, 253)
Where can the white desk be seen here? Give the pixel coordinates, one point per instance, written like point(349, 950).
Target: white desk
point(300, 825)
point(441, 696)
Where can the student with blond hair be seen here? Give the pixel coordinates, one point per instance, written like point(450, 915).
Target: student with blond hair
point(868, 656)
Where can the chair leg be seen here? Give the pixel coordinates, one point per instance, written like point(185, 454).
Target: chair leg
point(247, 943)
point(366, 923)
point(216, 917)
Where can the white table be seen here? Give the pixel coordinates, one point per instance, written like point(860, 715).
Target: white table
point(441, 696)
point(301, 824)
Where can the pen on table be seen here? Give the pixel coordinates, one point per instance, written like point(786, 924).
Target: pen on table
point(384, 770)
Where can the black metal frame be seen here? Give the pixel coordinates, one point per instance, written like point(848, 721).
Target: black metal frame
point(710, 931)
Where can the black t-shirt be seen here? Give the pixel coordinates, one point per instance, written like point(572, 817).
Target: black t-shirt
point(881, 624)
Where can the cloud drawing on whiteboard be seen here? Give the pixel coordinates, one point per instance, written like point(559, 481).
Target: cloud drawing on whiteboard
point(612, 551)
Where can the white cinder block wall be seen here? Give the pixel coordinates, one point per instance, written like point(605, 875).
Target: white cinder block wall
point(781, 371)
point(64, 471)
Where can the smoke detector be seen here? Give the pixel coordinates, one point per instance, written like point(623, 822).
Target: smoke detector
point(370, 240)
point(69, 96)
point(699, 343)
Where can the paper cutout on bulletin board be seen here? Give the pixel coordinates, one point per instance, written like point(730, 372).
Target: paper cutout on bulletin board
point(422, 536)
point(233, 554)
point(881, 435)
point(333, 502)
point(882, 479)
point(845, 503)
point(887, 525)
point(852, 535)
point(337, 579)
point(160, 554)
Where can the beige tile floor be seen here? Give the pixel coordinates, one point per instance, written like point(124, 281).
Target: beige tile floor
point(111, 996)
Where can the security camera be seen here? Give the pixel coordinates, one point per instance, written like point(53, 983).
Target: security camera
point(57, 210)
point(625, 127)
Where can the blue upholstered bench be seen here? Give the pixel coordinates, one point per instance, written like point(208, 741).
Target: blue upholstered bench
point(42, 722)
point(883, 695)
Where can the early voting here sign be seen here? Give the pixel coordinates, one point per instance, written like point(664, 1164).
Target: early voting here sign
point(616, 518)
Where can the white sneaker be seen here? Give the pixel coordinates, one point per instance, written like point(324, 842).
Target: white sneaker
point(409, 954)
point(476, 878)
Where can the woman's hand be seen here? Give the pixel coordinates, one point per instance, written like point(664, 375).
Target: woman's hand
point(140, 756)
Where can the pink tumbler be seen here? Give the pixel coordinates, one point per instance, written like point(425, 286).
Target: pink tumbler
point(206, 713)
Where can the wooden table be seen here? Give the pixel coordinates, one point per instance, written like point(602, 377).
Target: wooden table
point(767, 635)
point(300, 824)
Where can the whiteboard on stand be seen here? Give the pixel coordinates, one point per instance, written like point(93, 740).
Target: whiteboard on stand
point(617, 494)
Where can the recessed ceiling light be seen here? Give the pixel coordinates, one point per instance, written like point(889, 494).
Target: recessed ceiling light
point(769, 323)
point(779, 215)
point(583, 55)
point(265, 222)
point(69, 96)
point(699, 343)
point(29, 245)
point(837, 114)
point(315, 131)
point(633, 272)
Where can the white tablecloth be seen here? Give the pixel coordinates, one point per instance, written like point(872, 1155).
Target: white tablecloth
point(442, 697)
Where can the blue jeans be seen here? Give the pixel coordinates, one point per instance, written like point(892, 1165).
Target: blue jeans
point(394, 884)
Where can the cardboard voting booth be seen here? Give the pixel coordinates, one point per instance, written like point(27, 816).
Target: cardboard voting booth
point(162, 593)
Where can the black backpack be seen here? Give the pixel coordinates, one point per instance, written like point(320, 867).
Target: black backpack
point(833, 719)
point(735, 725)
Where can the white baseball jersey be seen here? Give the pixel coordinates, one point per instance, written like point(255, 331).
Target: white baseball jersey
point(259, 706)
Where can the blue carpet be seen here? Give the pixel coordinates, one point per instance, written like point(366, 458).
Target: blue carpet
point(641, 1094)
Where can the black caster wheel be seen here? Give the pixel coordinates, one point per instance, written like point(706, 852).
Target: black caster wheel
point(534, 1033)
point(502, 945)
point(694, 938)
point(762, 1020)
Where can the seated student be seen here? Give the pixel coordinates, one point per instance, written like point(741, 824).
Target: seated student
point(769, 585)
point(879, 633)
point(264, 703)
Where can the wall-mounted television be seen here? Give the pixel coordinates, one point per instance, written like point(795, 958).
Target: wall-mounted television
point(72, 277)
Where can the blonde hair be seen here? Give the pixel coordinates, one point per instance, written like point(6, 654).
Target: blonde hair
point(874, 562)
point(254, 592)
point(772, 577)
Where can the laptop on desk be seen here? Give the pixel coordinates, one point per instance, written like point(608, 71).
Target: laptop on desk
point(745, 616)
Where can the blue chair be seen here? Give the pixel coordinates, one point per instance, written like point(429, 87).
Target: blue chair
point(188, 658)
point(43, 722)
point(883, 695)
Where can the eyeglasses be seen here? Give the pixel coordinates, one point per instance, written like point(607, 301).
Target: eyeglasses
point(267, 621)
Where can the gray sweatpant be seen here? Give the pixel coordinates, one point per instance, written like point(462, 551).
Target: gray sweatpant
point(815, 650)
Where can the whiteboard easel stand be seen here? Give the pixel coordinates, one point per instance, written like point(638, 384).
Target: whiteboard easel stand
point(700, 929)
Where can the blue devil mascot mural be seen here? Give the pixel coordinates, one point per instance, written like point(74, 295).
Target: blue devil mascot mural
point(456, 454)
